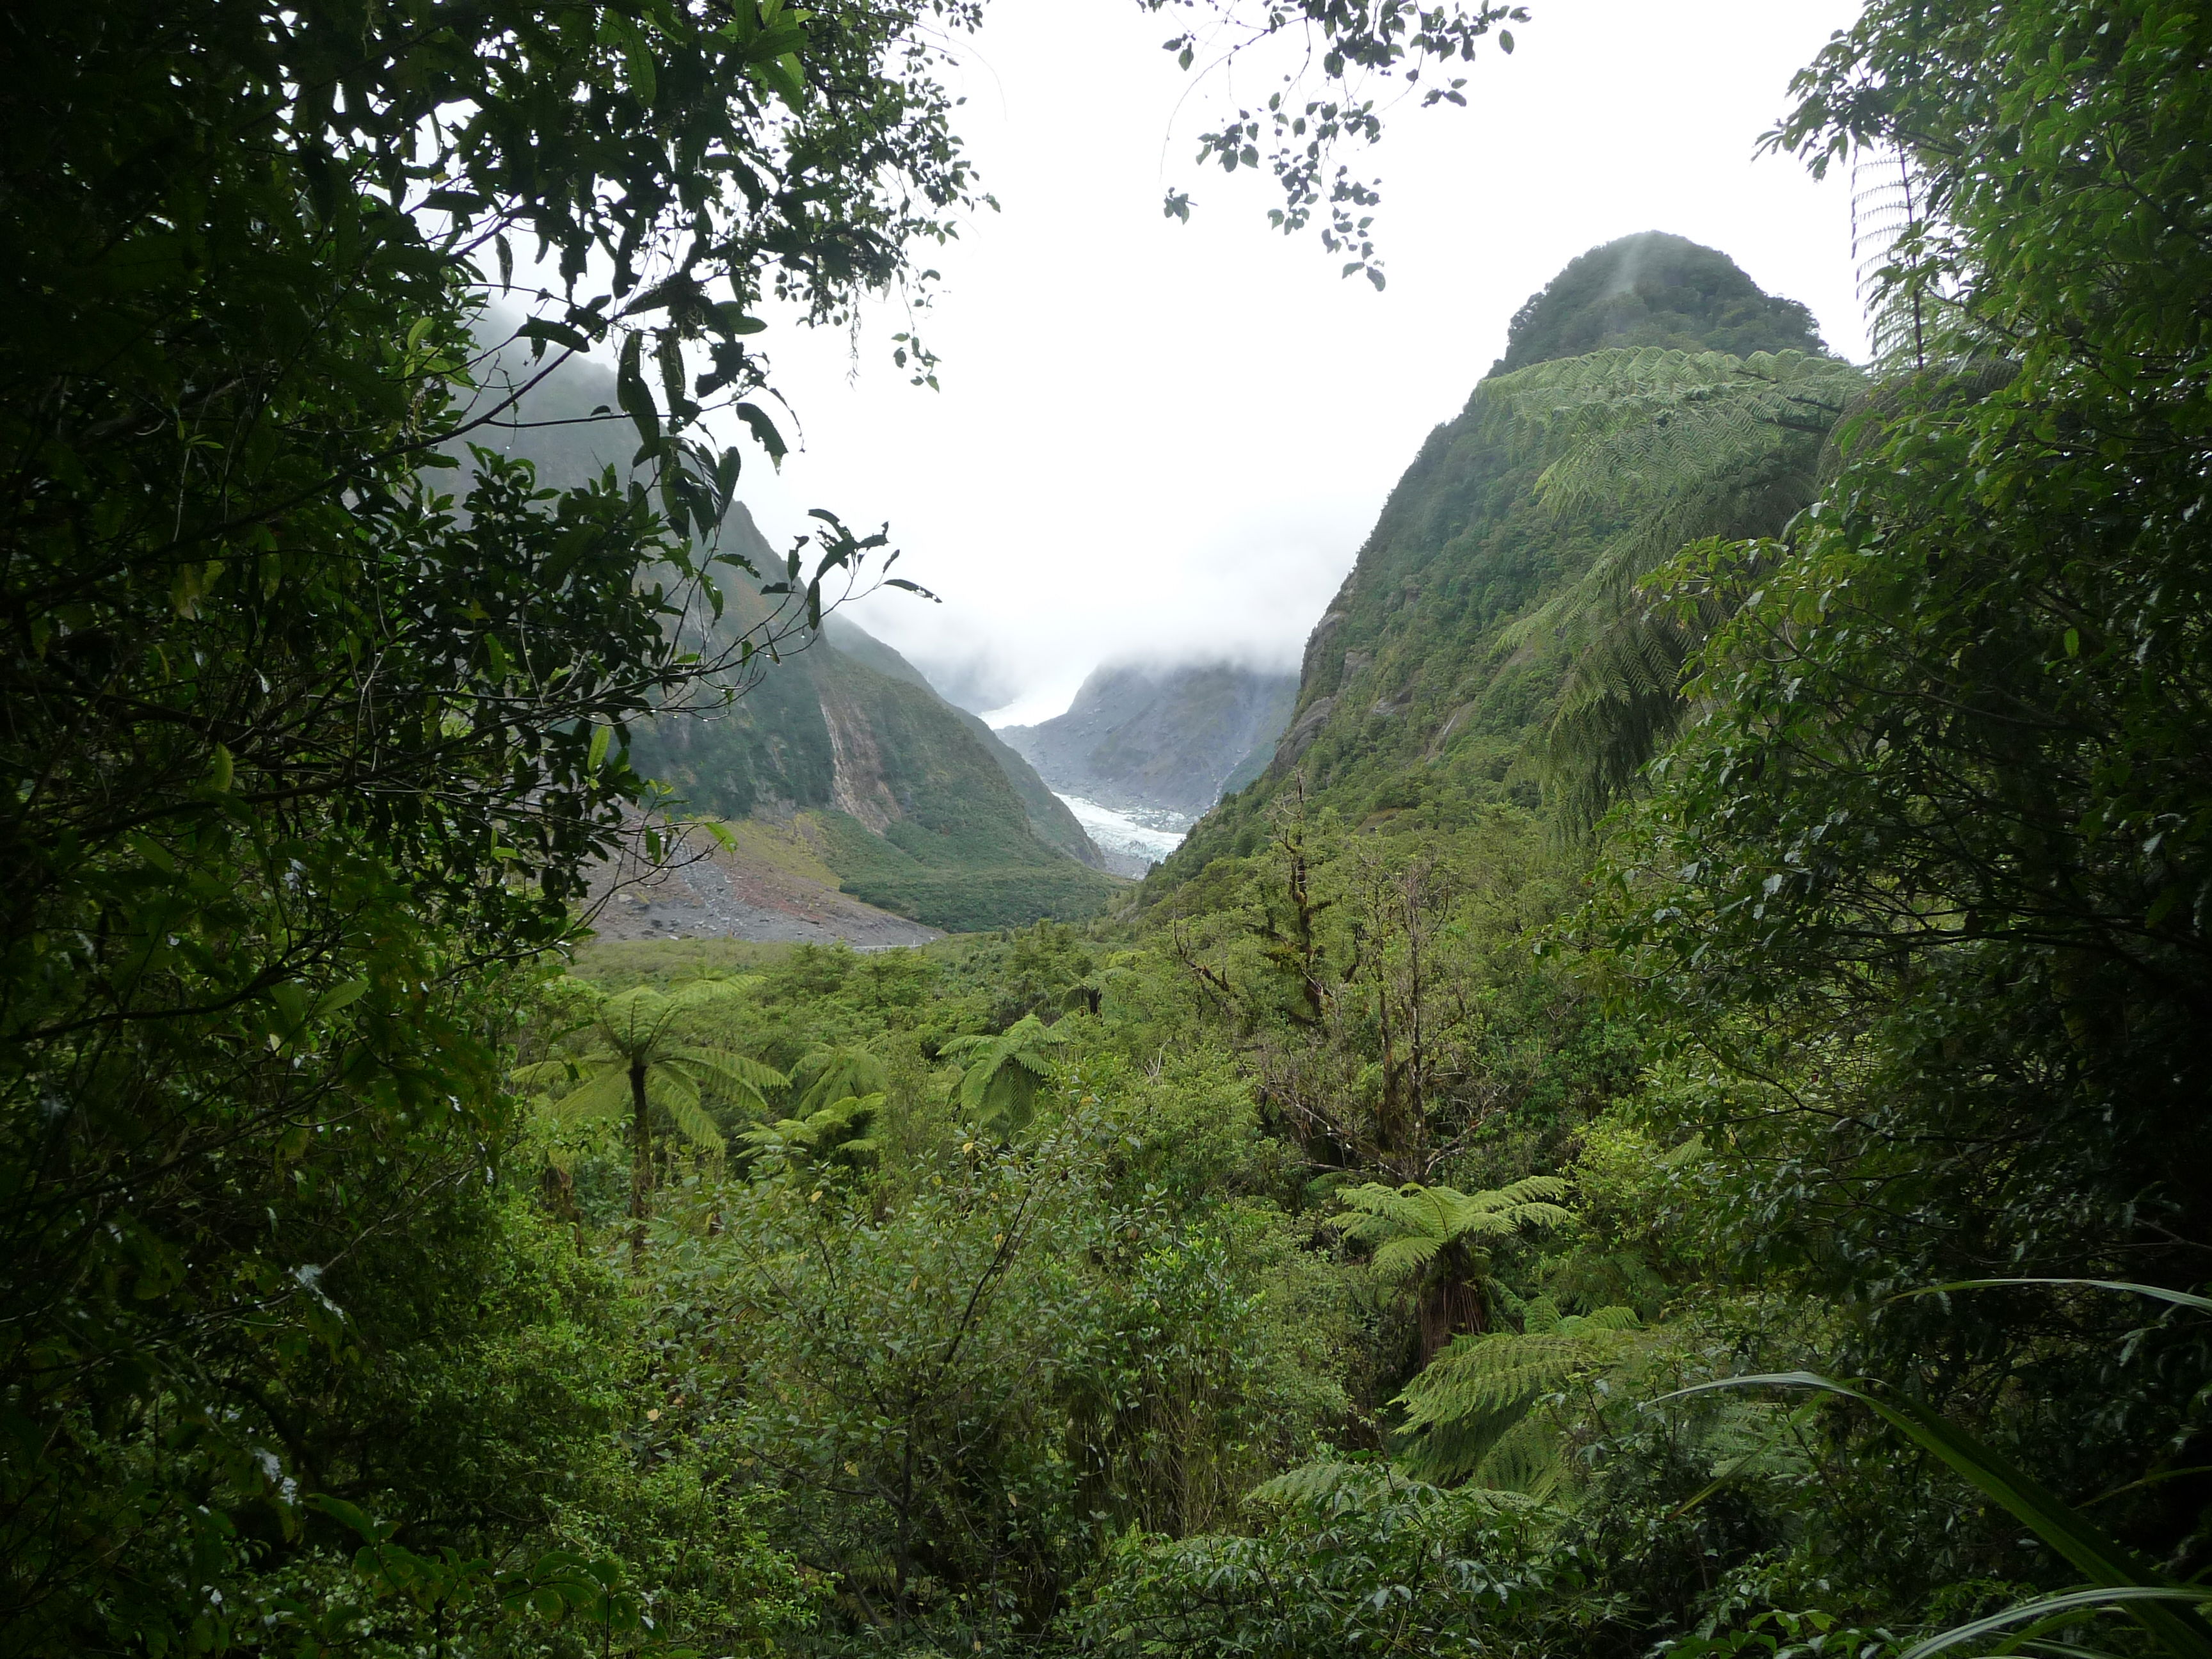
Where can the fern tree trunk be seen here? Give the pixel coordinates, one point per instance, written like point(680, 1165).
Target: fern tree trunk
point(1451, 1304)
point(640, 1166)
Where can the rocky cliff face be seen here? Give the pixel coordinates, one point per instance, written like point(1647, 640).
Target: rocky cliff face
point(1405, 700)
point(1139, 739)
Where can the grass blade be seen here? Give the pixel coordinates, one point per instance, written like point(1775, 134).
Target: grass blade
point(2095, 1552)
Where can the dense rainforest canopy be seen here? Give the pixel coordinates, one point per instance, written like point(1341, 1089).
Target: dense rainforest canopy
point(1670, 1120)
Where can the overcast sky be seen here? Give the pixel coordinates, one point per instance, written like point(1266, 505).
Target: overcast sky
point(1168, 441)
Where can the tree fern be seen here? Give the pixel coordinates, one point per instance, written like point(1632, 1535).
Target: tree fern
point(831, 1073)
point(1908, 260)
point(1340, 1487)
point(998, 1089)
point(1407, 1225)
point(1095, 991)
point(837, 1136)
point(1311, 1483)
point(636, 1055)
point(1464, 1414)
point(1430, 1240)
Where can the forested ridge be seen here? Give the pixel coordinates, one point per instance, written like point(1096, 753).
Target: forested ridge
point(1453, 635)
point(1670, 1121)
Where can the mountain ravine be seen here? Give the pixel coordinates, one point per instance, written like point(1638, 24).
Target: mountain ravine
point(912, 804)
point(862, 782)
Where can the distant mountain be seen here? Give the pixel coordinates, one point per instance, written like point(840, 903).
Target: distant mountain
point(1406, 701)
point(1143, 738)
point(864, 774)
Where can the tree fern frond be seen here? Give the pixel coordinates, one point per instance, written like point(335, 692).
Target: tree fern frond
point(837, 1133)
point(1404, 1256)
point(1407, 1226)
point(1503, 1224)
point(776, 1145)
point(678, 1096)
point(1529, 1189)
point(831, 1073)
point(729, 1063)
point(1383, 1211)
point(1307, 1484)
point(1540, 1317)
point(665, 1086)
point(1503, 1372)
point(976, 1085)
point(695, 1126)
point(1525, 1458)
point(633, 1021)
point(1602, 1318)
point(1614, 718)
point(1692, 446)
point(1341, 1488)
point(1504, 1210)
point(1643, 419)
point(1542, 1215)
point(600, 1096)
point(999, 1086)
point(1460, 1411)
point(1907, 285)
point(733, 1074)
point(1451, 1448)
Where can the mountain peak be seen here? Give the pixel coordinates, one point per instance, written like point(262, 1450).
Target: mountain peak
point(1406, 702)
point(1654, 288)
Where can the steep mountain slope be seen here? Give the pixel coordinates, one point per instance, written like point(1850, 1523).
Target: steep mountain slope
point(901, 794)
point(1406, 701)
point(910, 803)
point(1137, 738)
point(1049, 819)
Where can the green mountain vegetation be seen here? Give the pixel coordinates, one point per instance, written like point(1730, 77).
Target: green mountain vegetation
point(911, 802)
point(1669, 1122)
point(1049, 819)
point(1416, 693)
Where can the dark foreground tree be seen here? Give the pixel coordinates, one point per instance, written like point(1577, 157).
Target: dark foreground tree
point(1928, 882)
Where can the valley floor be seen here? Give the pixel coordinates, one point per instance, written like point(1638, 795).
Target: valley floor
point(768, 886)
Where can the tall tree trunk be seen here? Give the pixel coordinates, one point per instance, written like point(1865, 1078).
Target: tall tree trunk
point(640, 1166)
